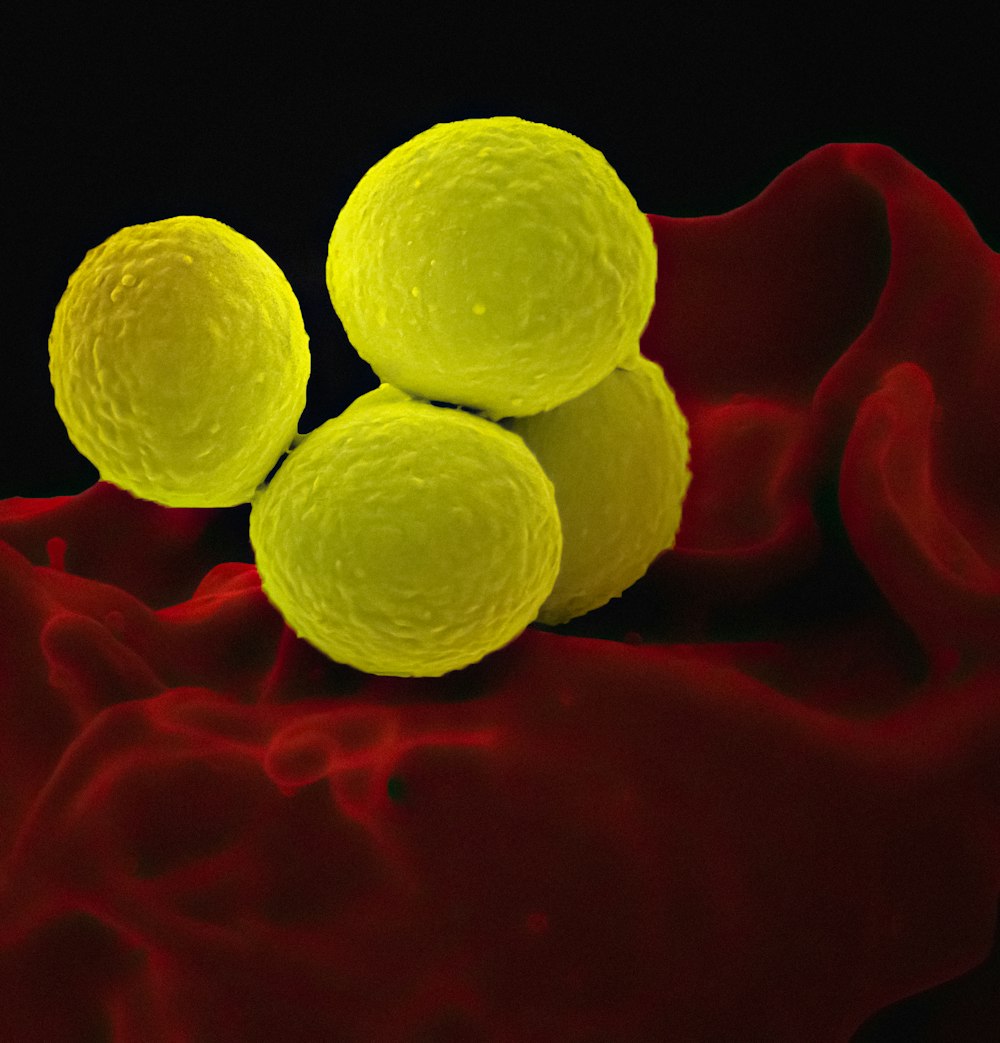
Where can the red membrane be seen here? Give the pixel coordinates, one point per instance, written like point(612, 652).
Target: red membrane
point(755, 798)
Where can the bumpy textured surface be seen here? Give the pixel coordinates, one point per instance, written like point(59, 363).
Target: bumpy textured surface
point(618, 458)
point(403, 538)
point(180, 361)
point(756, 798)
point(494, 263)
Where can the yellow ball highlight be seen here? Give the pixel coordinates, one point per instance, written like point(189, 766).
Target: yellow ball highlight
point(618, 457)
point(179, 361)
point(407, 539)
point(495, 263)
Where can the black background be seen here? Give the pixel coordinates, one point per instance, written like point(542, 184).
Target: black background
point(266, 122)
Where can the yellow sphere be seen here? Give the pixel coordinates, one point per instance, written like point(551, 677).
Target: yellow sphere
point(407, 539)
point(179, 361)
point(495, 263)
point(618, 457)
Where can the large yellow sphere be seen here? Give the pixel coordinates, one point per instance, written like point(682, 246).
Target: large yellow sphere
point(407, 539)
point(496, 263)
point(179, 361)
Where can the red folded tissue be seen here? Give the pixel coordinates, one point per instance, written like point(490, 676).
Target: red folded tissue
point(755, 799)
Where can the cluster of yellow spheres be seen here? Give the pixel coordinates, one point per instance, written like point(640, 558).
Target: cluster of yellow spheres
point(520, 462)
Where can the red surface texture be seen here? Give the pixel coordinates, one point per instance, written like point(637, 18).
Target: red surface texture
point(761, 805)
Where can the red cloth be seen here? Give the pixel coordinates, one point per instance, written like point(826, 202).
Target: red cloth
point(761, 805)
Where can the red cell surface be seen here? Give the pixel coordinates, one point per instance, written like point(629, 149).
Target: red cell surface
point(755, 799)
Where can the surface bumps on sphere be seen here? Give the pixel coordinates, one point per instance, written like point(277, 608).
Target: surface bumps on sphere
point(618, 457)
point(407, 539)
point(495, 263)
point(179, 361)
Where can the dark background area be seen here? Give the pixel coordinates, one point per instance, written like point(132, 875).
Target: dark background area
point(267, 121)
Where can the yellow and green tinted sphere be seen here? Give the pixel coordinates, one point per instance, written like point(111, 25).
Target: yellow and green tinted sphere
point(618, 458)
point(179, 362)
point(495, 263)
point(407, 539)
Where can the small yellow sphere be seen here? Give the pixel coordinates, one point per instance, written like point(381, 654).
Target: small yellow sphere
point(618, 457)
point(179, 361)
point(495, 263)
point(407, 539)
